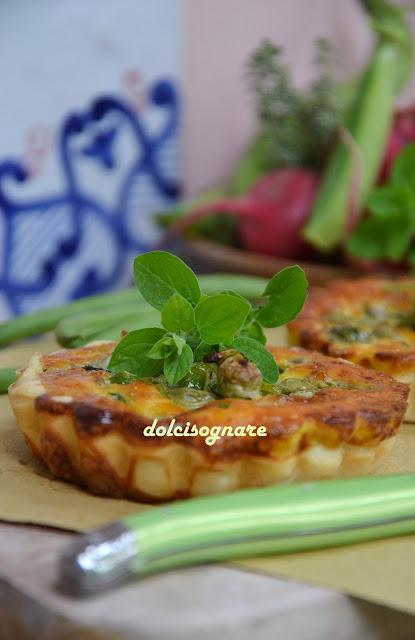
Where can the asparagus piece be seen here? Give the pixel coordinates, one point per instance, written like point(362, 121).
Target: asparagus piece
point(7, 377)
point(77, 330)
point(83, 325)
point(46, 319)
point(251, 287)
point(367, 128)
point(114, 331)
point(113, 307)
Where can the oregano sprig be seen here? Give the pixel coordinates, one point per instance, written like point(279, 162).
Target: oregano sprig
point(195, 325)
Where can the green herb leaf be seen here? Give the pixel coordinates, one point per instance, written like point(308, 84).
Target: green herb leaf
point(159, 274)
point(179, 342)
point(178, 314)
point(193, 338)
point(162, 348)
point(403, 171)
point(203, 349)
point(389, 200)
point(411, 257)
point(253, 330)
point(220, 317)
point(176, 366)
point(131, 353)
point(258, 354)
point(231, 292)
point(287, 292)
point(165, 346)
point(388, 231)
point(377, 238)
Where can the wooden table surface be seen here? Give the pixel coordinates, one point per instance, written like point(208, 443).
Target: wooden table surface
point(205, 602)
point(213, 602)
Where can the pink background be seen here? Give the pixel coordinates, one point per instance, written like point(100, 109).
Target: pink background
point(219, 35)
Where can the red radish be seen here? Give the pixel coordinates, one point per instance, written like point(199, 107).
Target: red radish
point(271, 215)
point(402, 133)
point(281, 204)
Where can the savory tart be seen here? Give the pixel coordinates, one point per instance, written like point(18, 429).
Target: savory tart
point(324, 417)
point(369, 321)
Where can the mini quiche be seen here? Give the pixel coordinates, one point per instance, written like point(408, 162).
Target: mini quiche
point(324, 417)
point(369, 321)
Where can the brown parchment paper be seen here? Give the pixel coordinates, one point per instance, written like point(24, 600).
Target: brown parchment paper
point(381, 571)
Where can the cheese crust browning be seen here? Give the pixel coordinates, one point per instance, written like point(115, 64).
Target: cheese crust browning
point(328, 418)
point(369, 321)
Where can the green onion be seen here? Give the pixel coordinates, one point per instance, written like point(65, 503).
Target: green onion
point(367, 128)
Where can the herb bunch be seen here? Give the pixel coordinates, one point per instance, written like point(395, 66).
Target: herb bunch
point(195, 324)
point(389, 229)
point(298, 127)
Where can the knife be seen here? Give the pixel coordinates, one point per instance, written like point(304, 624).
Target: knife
point(247, 523)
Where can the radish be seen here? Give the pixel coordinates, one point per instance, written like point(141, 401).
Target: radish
point(271, 215)
point(281, 204)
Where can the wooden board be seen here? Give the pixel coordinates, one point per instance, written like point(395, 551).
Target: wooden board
point(208, 255)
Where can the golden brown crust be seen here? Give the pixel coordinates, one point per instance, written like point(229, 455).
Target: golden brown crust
point(91, 432)
point(391, 354)
point(392, 351)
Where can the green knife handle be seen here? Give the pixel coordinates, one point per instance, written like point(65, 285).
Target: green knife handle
point(252, 522)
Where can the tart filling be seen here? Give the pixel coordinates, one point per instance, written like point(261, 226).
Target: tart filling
point(369, 321)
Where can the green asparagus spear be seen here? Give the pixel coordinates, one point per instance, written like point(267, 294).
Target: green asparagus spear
point(114, 331)
point(251, 287)
point(7, 377)
point(114, 307)
point(47, 319)
point(77, 330)
point(88, 323)
point(367, 125)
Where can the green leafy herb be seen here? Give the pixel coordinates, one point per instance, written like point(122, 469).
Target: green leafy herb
point(177, 365)
point(252, 329)
point(178, 314)
point(403, 169)
point(258, 354)
point(131, 353)
point(388, 232)
point(219, 317)
point(202, 350)
point(197, 326)
point(297, 127)
point(165, 346)
point(287, 291)
point(159, 274)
